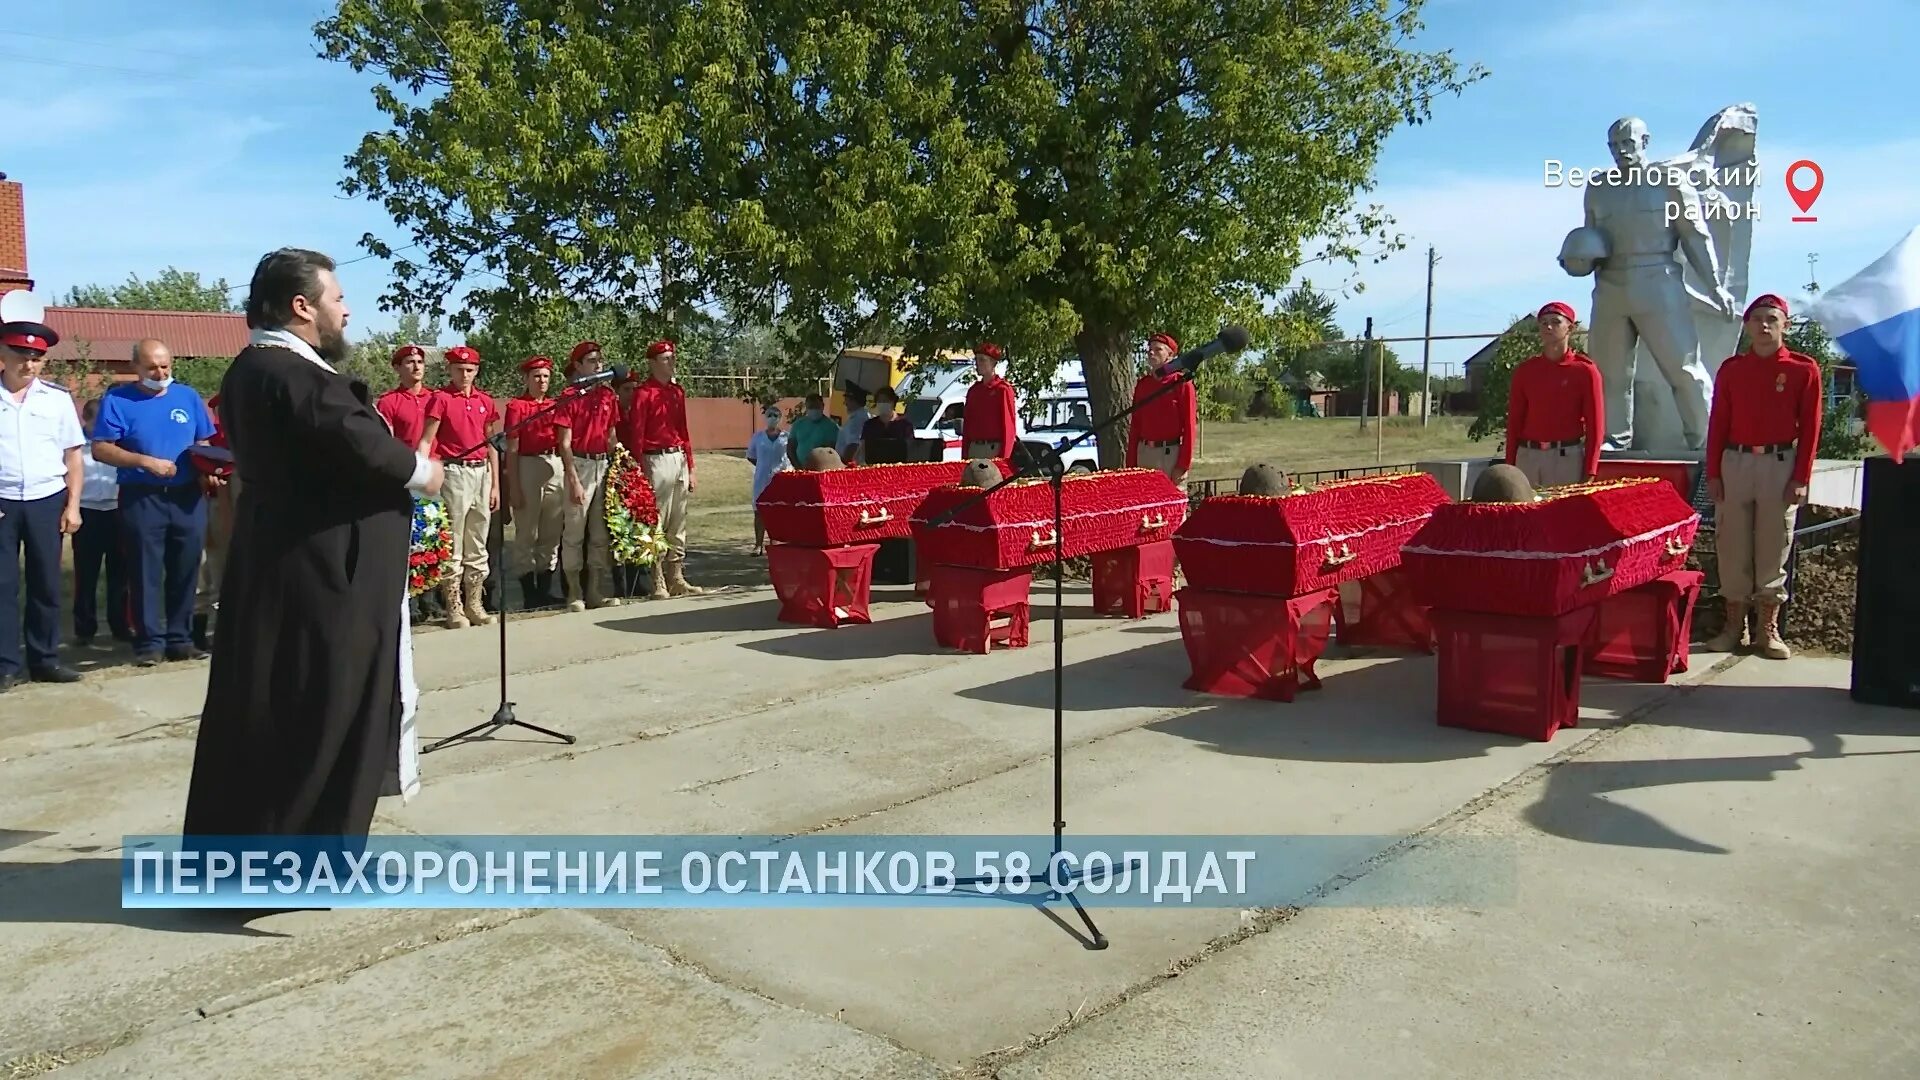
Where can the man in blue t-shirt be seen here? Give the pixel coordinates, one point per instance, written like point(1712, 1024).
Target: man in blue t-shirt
point(145, 429)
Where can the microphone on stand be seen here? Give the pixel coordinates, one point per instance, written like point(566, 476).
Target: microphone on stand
point(1231, 339)
point(611, 373)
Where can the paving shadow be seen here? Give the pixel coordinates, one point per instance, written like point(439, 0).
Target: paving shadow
point(708, 618)
point(88, 891)
point(1145, 677)
point(1573, 803)
point(902, 635)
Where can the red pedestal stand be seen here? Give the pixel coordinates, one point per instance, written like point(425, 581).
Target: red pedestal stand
point(1511, 674)
point(1247, 645)
point(1133, 582)
point(973, 609)
point(822, 587)
point(1389, 615)
point(1642, 634)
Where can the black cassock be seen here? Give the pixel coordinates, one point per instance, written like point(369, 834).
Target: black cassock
point(301, 727)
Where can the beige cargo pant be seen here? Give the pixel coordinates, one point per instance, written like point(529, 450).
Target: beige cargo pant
point(583, 534)
point(1551, 468)
point(1162, 456)
point(465, 493)
point(1753, 528)
point(667, 473)
point(539, 518)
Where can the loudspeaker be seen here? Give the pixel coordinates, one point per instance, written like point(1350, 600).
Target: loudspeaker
point(1886, 607)
point(894, 563)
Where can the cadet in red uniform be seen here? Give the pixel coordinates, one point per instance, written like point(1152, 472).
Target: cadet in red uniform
point(1761, 436)
point(654, 431)
point(404, 407)
point(585, 427)
point(988, 422)
point(1553, 407)
point(536, 485)
point(458, 417)
point(1162, 434)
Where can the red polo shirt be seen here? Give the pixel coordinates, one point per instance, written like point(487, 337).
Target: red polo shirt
point(1553, 401)
point(538, 437)
point(989, 416)
point(656, 419)
point(1765, 401)
point(1174, 416)
point(591, 418)
point(464, 420)
point(406, 413)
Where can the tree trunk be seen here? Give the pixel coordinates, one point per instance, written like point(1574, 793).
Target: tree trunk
point(1108, 364)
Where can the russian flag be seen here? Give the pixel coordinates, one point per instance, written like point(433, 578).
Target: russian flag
point(1874, 317)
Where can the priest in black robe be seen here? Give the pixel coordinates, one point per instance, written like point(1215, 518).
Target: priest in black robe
point(301, 732)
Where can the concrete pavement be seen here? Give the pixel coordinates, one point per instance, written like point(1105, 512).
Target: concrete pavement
point(1737, 842)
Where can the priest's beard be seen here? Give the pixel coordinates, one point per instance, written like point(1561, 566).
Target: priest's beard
point(333, 346)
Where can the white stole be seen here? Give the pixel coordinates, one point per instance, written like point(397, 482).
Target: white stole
point(409, 748)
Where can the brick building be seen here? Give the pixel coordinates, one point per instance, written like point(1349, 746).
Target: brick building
point(106, 336)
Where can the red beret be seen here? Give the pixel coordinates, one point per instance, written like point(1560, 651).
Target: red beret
point(1767, 300)
point(1557, 307)
point(659, 348)
point(1167, 340)
point(990, 350)
point(460, 354)
point(537, 363)
point(405, 351)
point(581, 350)
point(211, 460)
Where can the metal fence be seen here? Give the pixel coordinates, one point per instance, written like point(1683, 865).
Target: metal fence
point(1227, 485)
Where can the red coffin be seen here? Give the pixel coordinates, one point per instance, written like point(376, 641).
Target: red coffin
point(852, 506)
point(1013, 528)
point(1296, 544)
point(1575, 546)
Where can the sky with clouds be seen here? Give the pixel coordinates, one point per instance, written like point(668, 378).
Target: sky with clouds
point(199, 134)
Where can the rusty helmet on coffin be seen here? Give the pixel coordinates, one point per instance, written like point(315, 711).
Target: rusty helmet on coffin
point(1582, 251)
point(1503, 483)
point(1264, 479)
point(979, 473)
point(824, 459)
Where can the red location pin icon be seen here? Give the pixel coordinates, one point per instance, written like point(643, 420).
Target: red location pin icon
point(1803, 197)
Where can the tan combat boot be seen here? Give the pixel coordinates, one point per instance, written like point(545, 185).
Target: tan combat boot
point(450, 599)
point(1770, 644)
point(1734, 634)
point(659, 580)
point(596, 597)
point(476, 597)
point(677, 582)
point(576, 600)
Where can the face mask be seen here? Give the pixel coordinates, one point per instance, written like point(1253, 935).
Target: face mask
point(157, 384)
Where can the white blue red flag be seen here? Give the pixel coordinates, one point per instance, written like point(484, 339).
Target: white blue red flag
point(1874, 317)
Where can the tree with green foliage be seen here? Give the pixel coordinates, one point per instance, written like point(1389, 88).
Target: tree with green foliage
point(170, 290)
point(1521, 340)
point(1060, 177)
point(1838, 438)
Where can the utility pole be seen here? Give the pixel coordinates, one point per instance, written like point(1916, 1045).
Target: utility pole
point(1426, 352)
point(1380, 426)
point(1366, 373)
point(1813, 281)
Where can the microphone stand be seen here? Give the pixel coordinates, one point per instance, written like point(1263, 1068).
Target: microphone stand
point(1052, 465)
point(503, 716)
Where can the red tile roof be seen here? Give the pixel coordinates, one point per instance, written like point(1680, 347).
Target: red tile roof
point(107, 335)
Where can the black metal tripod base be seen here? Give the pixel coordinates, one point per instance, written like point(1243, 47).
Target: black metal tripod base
point(1095, 940)
point(502, 717)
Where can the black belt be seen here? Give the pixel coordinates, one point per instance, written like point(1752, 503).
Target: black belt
point(1162, 443)
point(480, 464)
point(592, 457)
point(1770, 448)
point(668, 450)
point(1562, 445)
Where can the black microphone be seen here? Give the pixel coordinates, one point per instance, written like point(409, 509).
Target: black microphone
point(611, 373)
point(1231, 339)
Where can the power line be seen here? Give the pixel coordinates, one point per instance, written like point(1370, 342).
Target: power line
point(143, 73)
point(90, 44)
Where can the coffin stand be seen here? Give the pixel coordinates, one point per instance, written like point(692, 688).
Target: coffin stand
point(1511, 674)
point(1387, 613)
point(1249, 645)
point(823, 587)
point(1134, 582)
point(1642, 635)
point(974, 609)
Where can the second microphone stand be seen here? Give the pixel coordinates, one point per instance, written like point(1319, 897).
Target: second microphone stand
point(503, 716)
point(1052, 466)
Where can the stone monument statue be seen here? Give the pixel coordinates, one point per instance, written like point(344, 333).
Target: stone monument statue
point(1640, 220)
